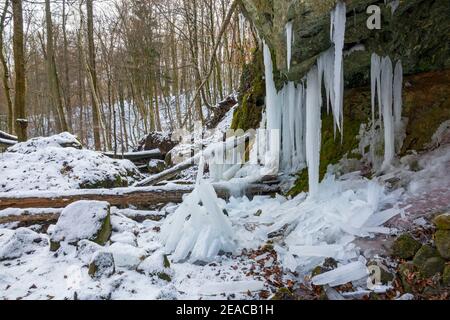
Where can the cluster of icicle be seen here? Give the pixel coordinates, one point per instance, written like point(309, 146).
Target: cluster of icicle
point(296, 110)
point(387, 87)
point(198, 230)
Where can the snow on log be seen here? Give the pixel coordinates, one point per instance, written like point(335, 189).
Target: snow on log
point(120, 197)
point(208, 153)
point(7, 142)
point(7, 136)
point(136, 156)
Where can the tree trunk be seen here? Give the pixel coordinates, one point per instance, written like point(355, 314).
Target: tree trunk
point(93, 75)
point(6, 74)
point(19, 66)
point(52, 74)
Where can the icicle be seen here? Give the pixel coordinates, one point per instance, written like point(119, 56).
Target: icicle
point(289, 40)
point(339, 18)
point(398, 92)
point(388, 118)
point(313, 129)
point(376, 84)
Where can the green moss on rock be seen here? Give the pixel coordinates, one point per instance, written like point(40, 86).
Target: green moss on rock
point(405, 247)
point(442, 222)
point(248, 114)
point(432, 267)
point(425, 253)
point(446, 276)
point(442, 241)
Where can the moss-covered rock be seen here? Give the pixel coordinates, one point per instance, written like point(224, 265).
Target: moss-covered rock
point(252, 94)
point(82, 220)
point(446, 275)
point(425, 253)
point(442, 222)
point(442, 241)
point(432, 267)
point(405, 247)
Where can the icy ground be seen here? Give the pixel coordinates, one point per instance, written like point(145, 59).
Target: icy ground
point(325, 227)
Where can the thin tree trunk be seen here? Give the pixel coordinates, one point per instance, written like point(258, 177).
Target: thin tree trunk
point(52, 73)
point(6, 74)
point(19, 66)
point(93, 75)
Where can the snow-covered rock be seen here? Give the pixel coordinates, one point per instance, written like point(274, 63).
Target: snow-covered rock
point(83, 220)
point(157, 265)
point(125, 237)
point(102, 265)
point(59, 163)
point(15, 244)
point(127, 256)
point(86, 250)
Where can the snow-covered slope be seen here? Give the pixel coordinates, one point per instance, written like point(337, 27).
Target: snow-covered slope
point(60, 163)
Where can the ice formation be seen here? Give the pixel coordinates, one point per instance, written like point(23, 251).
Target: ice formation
point(338, 19)
point(295, 111)
point(198, 230)
point(387, 86)
point(313, 129)
point(289, 40)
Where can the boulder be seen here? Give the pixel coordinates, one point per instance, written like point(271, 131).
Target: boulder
point(442, 241)
point(127, 256)
point(82, 220)
point(425, 253)
point(405, 247)
point(157, 265)
point(157, 140)
point(432, 267)
point(442, 222)
point(102, 265)
point(86, 250)
point(156, 166)
point(23, 241)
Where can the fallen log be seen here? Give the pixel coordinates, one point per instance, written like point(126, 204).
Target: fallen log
point(6, 142)
point(122, 197)
point(7, 136)
point(209, 152)
point(137, 156)
point(26, 218)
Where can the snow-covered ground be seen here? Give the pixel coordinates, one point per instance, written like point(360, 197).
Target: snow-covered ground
point(60, 163)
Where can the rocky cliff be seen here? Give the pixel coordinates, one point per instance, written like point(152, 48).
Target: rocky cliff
point(414, 31)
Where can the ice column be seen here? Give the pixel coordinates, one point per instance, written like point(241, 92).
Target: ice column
point(289, 40)
point(313, 129)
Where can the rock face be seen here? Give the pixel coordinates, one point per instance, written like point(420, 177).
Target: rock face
point(102, 265)
point(415, 32)
point(83, 220)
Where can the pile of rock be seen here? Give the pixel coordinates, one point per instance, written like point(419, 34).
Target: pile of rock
point(428, 261)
